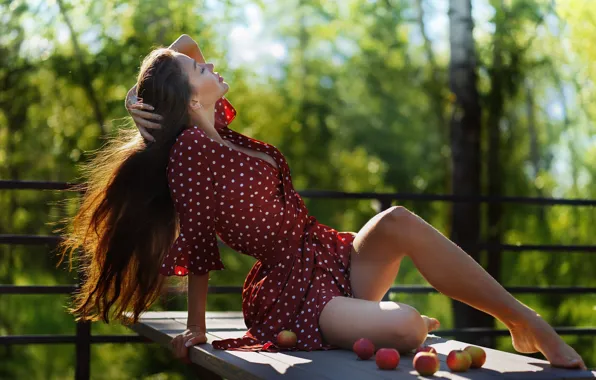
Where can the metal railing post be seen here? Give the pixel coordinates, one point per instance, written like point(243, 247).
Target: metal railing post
point(83, 351)
point(83, 342)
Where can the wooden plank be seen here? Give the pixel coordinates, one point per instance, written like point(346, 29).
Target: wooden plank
point(285, 370)
point(335, 364)
point(184, 315)
point(329, 361)
point(343, 364)
point(229, 364)
point(506, 365)
point(230, 324)
point(318, 363)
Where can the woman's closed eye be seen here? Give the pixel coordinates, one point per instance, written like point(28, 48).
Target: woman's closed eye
point(195, 66)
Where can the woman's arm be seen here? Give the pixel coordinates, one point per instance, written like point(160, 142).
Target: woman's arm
point(196, 328)
point(197, 301)
point(186, 45)
point(131, 97)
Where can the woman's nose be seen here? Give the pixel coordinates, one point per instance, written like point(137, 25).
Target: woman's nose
point(210, 66)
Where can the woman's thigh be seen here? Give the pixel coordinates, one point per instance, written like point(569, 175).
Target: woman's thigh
point(375, 257)
point(387, 324)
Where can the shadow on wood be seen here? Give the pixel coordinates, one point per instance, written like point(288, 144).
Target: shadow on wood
point(161, 327)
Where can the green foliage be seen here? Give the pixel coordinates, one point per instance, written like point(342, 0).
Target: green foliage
point(359, 103)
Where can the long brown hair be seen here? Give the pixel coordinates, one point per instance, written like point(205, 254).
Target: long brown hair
point(127, 221)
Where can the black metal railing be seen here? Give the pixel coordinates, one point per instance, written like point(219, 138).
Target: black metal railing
point(83, 338)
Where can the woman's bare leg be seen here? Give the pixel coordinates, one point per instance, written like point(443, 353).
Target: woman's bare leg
point(381, 244)
point(387, 324)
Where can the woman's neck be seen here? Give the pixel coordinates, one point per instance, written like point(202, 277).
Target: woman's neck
point(206, 121)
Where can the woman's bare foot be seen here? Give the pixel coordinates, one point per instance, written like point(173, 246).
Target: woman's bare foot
point(536, 335)
point(431, 323)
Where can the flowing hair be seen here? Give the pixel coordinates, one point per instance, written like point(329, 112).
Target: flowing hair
point(127, 221)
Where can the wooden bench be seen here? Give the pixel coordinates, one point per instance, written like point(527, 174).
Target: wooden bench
point(161, 327)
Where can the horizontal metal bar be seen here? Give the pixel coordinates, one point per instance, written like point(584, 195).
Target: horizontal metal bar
point(70, 339)
point(417, 289)
point(30, 239)
point(120, 339)
point(49, 185)
point(408, 289)
point(492, 332)
point(67, 289)
point(54, 240)
point(539, 247)
point(35, 185)
point(224, 289)
point(37, 289)
point(445, 198)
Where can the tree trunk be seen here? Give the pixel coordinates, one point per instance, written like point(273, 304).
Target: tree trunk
point(465, 143)
point(435, 88)
point(495, 169)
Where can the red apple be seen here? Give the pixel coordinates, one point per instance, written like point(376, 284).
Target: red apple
point(286, 339)
point(459, 361)
point(387, 358)
point(364, 348)
point(478, 356)
point(426, 363)
point(426, 349)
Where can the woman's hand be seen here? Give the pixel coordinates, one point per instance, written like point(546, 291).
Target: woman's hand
point(190, 337)
point(186, 45)
point(144, 118)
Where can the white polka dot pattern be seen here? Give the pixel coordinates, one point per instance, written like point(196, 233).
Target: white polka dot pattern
point(252, 206)
point(191, 185)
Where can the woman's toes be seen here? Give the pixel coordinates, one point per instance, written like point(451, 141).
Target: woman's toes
point(431, 323)
point(435, 324)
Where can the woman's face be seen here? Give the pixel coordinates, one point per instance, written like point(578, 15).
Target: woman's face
point(207, 86)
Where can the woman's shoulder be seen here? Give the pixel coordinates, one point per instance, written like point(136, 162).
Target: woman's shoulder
point(190, 147)
point(191, 139)
point(189, 135)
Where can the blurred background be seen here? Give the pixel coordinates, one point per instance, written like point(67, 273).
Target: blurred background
point(391, 96)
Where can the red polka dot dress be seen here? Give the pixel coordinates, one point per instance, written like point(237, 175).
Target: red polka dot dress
point(253, 208)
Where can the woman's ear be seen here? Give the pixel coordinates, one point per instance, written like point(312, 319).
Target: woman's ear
point(195, 105)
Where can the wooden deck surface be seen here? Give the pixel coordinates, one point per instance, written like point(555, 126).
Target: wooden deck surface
point(161, 327)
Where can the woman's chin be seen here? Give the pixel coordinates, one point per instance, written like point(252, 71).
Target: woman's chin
point(225, 88)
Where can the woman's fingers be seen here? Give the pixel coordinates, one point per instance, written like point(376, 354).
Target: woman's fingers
point(180, 351)
point(175, 345)
point(180, 344)
point(141, 106)
point(146, 135)
point(198, 339)
point(141, 125)
point(146, 115)
point(139, 121)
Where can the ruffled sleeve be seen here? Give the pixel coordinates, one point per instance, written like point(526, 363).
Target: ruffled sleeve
point(190, 182)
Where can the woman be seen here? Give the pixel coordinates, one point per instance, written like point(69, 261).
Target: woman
point(194, 175)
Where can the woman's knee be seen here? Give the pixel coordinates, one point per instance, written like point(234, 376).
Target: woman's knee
point(411, 331)
point(400, 214)
point(399, 221)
